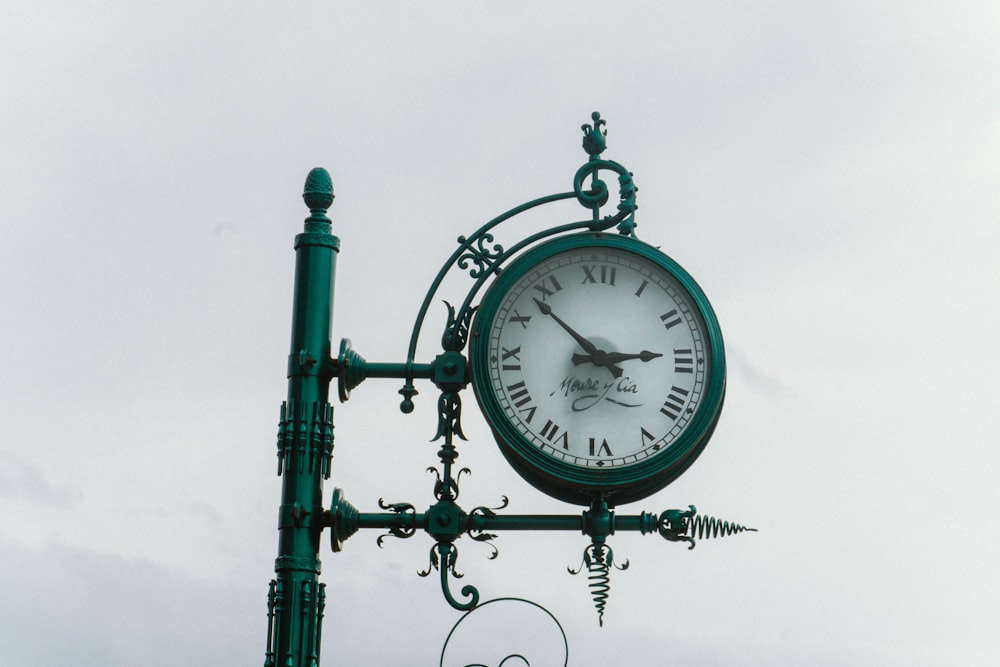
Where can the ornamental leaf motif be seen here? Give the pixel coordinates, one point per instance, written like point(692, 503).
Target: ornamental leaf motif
point(456, 331)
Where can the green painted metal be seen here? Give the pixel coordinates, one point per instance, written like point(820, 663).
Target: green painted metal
point(446, 522)
point(566, 480)
point(296, 598)
point(484, 258)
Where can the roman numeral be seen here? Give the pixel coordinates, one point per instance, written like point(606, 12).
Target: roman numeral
point(683, 360)
point(545, 289)
point(638, 292)
point(550, 432)
point(648, 438)
point(602, 450)
point(520, 319)
point(675, 402)
point(606, 275)
point(521, 399)
point(671, 319)
point(514, 354)
point(518, 394)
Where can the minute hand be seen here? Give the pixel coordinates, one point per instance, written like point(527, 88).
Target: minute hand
point(596, 355)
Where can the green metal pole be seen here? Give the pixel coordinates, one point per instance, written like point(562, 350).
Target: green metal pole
point(305, 442)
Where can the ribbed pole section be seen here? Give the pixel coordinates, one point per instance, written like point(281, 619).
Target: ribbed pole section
point(305, 442)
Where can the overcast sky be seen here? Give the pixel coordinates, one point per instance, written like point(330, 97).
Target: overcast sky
point(827, 171)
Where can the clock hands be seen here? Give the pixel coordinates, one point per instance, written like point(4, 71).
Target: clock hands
point(616, 357)
point(594, 355)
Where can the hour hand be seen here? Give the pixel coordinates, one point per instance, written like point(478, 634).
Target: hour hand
point(616, 357)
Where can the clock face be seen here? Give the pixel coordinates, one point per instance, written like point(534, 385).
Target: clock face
point(599, 364)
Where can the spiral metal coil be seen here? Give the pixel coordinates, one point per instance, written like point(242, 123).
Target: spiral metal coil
point(685, 526)
point(704, 527)
point(598, 560)
point(599, 583)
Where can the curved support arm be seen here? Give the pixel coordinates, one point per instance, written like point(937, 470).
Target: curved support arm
point(449, 556)
point(479, 248)
point(598, 194)
point(473, 248)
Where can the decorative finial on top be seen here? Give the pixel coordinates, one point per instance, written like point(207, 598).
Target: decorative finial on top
point(318, 193)
point(594, 138)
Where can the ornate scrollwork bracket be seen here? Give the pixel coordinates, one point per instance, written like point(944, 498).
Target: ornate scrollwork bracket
point(598, 194)
point(483, 256)
point(444, 564)
point(405, 529)
point(445, 522)
point(446, 487)
point(524, 617)
point(479, 534)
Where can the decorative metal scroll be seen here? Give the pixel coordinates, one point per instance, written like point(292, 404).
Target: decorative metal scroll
point(483, 257)
point(444, 557)
point(445, 521)
point(511, 659)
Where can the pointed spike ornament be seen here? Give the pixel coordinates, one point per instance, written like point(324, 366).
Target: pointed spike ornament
point(685, 526)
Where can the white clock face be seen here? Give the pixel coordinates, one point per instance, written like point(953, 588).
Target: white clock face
point(598, 357)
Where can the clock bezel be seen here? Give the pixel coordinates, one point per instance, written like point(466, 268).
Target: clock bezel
point(573, 483)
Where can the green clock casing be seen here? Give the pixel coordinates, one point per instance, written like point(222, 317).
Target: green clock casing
point(599, 364)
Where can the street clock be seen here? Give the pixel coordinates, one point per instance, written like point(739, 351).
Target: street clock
point(598, 363)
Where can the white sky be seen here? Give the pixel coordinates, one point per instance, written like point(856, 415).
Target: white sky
point(827, 171)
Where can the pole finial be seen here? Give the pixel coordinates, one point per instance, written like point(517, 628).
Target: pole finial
point(594, 137)
point(318, 192)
